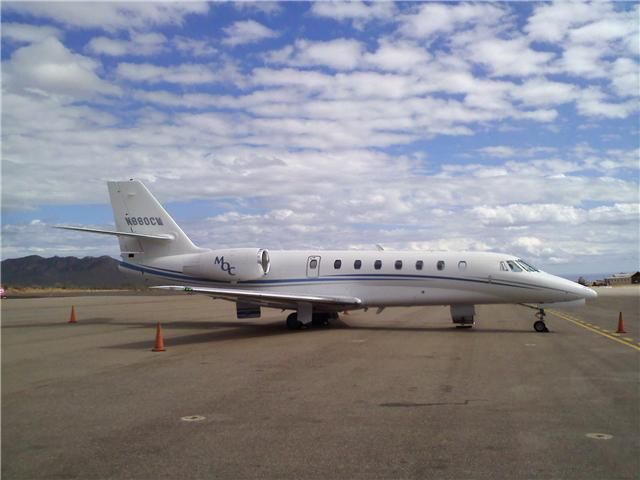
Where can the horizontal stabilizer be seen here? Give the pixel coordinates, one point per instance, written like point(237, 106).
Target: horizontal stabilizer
point(281, 300)
point(119, 234)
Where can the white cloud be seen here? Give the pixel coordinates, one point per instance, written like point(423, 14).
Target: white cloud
point(438, 18)
point(49, 67)
point(358, 12)
point(619, 213)
point(499, 151)
point(184, 74)
point(266, 7)
point(540, 91)
point(508, 57)
point(248, 31)
point(397, 56)
point(110, 16)
point(551, 22)
point(25, 33)
point(626, 77)
point(521, 214)
point(593, 102)
point(339, 54)
point(605, 30)
point(140, 44)
point(583, 61)
point(533, 246)
point(194, 47)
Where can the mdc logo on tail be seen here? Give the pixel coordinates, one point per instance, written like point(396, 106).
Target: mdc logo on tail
point(225, 266)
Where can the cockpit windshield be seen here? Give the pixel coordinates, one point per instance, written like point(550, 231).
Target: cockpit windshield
point(514, 266)
point(527, 266)
point(518, 265)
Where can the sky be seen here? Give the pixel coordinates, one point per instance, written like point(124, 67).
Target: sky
point(508, 127)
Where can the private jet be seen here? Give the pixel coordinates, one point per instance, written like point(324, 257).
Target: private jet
point(318, 284)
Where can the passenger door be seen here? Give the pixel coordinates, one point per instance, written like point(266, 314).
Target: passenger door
point(313, 266)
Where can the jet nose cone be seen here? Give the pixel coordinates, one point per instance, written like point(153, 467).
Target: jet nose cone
point(590, 293)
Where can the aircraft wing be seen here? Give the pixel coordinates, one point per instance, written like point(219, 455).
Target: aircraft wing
point(270, 299)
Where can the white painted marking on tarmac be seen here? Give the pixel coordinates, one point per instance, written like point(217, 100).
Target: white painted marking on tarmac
point(193, 418)
point(358, 341)
point(599, 436)
point(529, 344)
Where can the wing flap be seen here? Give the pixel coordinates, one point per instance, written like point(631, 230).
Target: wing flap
point(268, 299)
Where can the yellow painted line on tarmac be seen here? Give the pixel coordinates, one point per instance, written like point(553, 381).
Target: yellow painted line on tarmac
point(624, 341)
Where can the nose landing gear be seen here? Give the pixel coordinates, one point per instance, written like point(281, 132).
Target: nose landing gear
point(539, 325)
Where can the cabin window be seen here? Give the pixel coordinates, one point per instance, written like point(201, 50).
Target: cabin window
point(357, 264)
point(377, 264)
point(503, 267)
point(313, 263)
point(337, 264)
point(419, 265)
point(462, 266)
point(513, 266)
point(440, 265)
point(398, 264)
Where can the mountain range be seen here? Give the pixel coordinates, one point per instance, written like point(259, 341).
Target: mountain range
point(65, 272)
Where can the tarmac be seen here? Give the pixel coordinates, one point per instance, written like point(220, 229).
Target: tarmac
point(402, 394)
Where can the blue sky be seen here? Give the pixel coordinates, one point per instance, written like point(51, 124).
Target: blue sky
point(506, 127)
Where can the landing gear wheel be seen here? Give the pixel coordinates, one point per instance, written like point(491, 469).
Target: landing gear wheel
point(293, 323)
point(539, 326)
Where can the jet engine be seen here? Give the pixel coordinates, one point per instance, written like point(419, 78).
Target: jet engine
point(230, 265)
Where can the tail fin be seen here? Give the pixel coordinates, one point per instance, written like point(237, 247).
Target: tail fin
point(137, 211)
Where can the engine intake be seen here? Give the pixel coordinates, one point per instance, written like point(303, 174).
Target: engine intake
point(230, 265)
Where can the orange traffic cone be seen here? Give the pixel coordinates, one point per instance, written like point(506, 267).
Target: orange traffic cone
point(159, 346)
point(72, 316)
point(620, 324)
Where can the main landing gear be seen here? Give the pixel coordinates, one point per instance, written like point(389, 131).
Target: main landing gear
point(539, 325)
point(320, 319)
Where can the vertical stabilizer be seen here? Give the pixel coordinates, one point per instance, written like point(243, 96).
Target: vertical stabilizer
point(136, 210)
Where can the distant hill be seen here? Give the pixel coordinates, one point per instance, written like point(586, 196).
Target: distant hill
point(65, 272)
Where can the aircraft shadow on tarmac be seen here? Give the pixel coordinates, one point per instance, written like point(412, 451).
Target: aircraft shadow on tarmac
point(245, 329)
point(235, 330)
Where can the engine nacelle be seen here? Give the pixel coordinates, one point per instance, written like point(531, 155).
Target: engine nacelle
point(229, 265)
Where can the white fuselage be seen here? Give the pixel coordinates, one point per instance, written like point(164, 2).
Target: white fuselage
point(446, 278)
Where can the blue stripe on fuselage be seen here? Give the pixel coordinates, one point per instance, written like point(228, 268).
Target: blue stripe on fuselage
point(332, 278)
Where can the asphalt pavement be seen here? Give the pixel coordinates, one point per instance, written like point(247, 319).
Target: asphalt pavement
point(402, 394)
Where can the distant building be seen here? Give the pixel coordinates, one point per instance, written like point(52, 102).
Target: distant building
point(623, 279)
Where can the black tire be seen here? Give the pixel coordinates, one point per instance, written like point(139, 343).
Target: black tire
point(539, 326)
point(293, 323)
